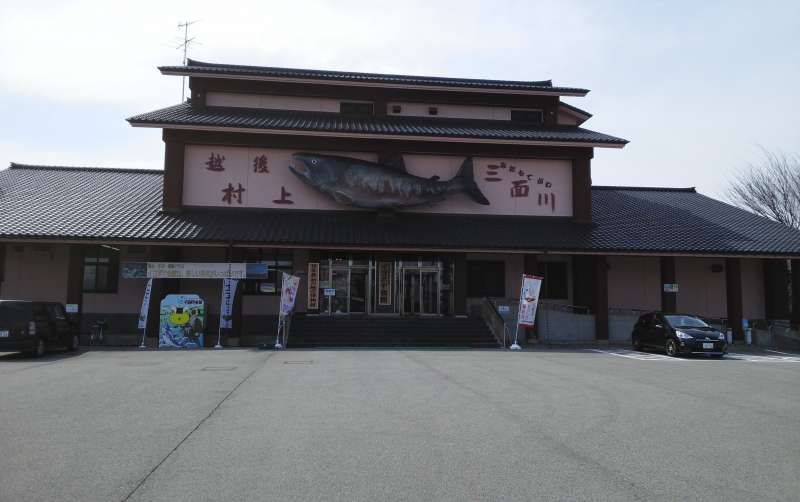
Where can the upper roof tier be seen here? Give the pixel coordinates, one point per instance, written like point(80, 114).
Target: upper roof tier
point(195, 68)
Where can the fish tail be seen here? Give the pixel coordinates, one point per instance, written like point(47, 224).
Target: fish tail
point(466, 178)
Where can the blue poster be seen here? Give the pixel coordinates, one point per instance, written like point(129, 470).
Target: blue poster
point(183, 322)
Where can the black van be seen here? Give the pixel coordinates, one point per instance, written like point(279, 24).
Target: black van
point(33, 327)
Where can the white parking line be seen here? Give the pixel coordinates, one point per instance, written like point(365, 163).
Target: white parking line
point(755, 358)
point(784, 353)
point(640, 356)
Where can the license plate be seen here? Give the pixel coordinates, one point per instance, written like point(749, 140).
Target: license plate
point(708, 345)
point(3, 333)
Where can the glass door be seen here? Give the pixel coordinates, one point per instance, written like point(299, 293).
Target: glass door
point(358, 290)
point(420, 291)
point(340, 281)
point(411, 291)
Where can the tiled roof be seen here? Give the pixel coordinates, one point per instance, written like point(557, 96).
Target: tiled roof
point(317, 122)
point(378, 79)
point(38, 202)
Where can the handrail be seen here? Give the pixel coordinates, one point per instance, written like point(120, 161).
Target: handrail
point(491, 317)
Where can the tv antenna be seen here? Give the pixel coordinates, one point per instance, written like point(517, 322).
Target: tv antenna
point(185, 47)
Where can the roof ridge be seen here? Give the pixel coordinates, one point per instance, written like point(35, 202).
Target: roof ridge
point(645, 189)
point(194, 62)
point(40, 167)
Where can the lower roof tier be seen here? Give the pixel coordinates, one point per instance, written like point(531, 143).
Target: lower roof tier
point(117, 205)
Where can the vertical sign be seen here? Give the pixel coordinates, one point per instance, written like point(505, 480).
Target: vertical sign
point(288, 293)
point(385, 283)
point(529, 299)
point(313, 286)
point(228, 294)
point(145, 304)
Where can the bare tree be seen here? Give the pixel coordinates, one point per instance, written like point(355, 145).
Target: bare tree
point(770, 188)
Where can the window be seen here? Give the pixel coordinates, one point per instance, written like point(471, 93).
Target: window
point(356, 109)
point(277, 263)
point(554, 285)
point(486, 278)
point(527, 116)
point(100, 269)
point(433, 110)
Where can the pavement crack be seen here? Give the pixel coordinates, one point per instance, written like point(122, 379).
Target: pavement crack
point(194, 429)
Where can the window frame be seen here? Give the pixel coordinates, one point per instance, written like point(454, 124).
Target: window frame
point(97, 253)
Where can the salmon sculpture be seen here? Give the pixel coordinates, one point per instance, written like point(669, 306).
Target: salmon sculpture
point(369, 185)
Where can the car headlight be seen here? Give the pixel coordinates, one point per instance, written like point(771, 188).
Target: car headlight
point(721, 336)
point(682, 335)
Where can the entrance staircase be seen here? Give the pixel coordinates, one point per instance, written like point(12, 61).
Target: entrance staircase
point(424, 332)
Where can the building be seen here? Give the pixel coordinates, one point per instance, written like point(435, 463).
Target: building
point(521, 202)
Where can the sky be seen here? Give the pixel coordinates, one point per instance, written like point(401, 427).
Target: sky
point(697, 87)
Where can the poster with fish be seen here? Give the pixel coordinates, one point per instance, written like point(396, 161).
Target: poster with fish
point(183, 322)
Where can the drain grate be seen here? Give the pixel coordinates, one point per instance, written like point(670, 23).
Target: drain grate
point(298, 362)
point(219, 368)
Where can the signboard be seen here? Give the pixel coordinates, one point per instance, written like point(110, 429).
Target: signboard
point(178, 270)
point(330, 291)
point(288, 293)
point(145, 304)
point(226, 304)
point(503, 309)
point(313, 286)
point(529, 299)
point(385, 283)
point(182, 322)
point(71, 308)
point(671, 288)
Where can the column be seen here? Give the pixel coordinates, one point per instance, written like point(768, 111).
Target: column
point(669, 301)
point(601, 298)
point(733, 290)
point(75, 282)
point(459, 284)
point(795, 292)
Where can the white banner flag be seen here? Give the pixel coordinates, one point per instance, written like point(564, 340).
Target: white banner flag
point(529, 299)
point(145, 304)
point(288, 293)
point(228, 294)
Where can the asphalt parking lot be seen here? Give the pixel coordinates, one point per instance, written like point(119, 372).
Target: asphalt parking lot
point(605, 424)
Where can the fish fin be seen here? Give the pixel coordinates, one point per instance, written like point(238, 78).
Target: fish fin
point(434, 178)
point(395, 161)
point(466, 176)
point(342, 198)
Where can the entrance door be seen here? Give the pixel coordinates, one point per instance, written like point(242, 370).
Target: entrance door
point(420, 291)
point(340, 281)
point(358, 291)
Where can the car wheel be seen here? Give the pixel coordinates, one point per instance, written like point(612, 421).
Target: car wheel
point(671, 348)
point(40, 350)
point(75, 342)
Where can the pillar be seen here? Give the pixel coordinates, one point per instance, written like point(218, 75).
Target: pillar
point(733, 290)
point(601, 297)
point(776, 289)
point(669, 301)
point(795, 292)
point(75, 282)
point(460, 284)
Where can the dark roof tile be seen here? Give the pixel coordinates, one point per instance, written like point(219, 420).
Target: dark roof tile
point(194, 67)
point(124, 205)
point(283, 120)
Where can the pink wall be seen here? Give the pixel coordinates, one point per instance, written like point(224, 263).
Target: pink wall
point(634, 282)
point(35, 272)
point(497, 179)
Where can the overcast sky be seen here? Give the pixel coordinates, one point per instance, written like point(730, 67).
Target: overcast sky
point(695, 86)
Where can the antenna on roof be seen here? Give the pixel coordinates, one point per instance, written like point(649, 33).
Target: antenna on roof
point(185, 46)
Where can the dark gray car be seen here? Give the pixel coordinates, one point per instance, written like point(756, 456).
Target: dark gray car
point(33, 327)
point(677, 334)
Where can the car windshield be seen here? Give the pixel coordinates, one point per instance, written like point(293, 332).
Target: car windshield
point(685, 321)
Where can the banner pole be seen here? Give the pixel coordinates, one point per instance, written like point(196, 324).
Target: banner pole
point(142, 345)
point(145, 309)
point(515, 345)
point(221, 313)
point(281, 325)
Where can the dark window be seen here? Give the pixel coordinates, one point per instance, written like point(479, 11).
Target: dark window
point(100, 269)
point(527, 116)
point(396, 109)
point(433, 110)
point(554, 285)
point(356, 109)
point(15, 315)
point(486, 278)
point(277, 263)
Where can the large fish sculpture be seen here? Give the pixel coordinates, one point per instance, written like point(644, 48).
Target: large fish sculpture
point(368, 185)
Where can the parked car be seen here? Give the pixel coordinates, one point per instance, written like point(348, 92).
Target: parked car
point(678, 334)
point(33, 327)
